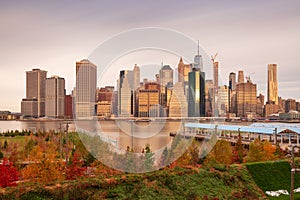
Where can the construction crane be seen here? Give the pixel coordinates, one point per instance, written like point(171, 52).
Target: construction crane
point(248, 77)
point(213, 57)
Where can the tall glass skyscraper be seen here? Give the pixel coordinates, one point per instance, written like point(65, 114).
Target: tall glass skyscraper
point(196, 98)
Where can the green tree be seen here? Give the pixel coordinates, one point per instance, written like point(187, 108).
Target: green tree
point(1, 155)
point(163, 158)
point(149, 159)
point(5, 145)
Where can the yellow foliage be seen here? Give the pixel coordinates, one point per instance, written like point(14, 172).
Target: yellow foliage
point(44, 165)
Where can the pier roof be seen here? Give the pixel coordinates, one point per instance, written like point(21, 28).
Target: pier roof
point(253, 128)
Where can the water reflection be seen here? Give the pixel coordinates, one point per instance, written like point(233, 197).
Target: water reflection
point(133, 134)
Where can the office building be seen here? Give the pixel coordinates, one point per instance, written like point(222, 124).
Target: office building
point(34, 103)
point(216, 87)
point(85, 91)
point(166, 77)
point(148, 100)
point(55, 97)
point(196, 96)
point(183, 71)
point(68, 106)
point(290, 105)
point(223, 100)
point(209, 91)
point(272, 84)
point(246, 98)
point(241, 77)
point(128, 83)
point(232, 93)
point(104, 101)
point(178, 105)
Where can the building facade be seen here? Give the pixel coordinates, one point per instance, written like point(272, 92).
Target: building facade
point(246, 98)
point(241, 77)
point(223, 100)
point(196, 95)
point(183, 71)
point(272, 84)
point(232, 93)
point(148, 99)
point(68, 106)
point(128, 83)
point(85, 91)
point(55, 97)
point(178, 105)
point(34, 103)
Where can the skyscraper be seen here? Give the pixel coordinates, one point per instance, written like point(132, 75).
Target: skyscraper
point(198, 62)
point(246, 98)
point(183, 71)
point(148, 100)
point(128, 82)
point(272, 84)
point(166, 76)
point(34, 103)
point(209, 91)
point(216, 87)
point(241, 78)
point(55, 97)
point(85, 91)
point(223, 100)
point(196, 97)
point(232, 81)
point(232, 93)
point(178, 101)
point(166, 79)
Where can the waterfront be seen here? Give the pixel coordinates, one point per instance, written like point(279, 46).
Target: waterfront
point(122, 134)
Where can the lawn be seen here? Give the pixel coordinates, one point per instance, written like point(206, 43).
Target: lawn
point(273, 176)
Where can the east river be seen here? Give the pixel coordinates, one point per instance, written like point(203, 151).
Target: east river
point(121, 133)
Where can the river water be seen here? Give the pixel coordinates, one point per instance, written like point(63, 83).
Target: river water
point(136, 135)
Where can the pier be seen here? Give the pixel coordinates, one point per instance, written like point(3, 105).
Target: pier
point(282, 134)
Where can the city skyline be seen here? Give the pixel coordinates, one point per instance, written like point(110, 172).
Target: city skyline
point(52, 36)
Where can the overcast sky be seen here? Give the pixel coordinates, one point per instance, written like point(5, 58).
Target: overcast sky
point(53, 35)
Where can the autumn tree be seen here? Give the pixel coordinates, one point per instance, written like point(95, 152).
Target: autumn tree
point(190, 156)
point(8, 174)
point(75, 168)
point(44, 164)
point(220, 154)
point(261, 151)
point(239, 151)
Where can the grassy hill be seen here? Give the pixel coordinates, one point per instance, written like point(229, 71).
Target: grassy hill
point(273, 176)
point(232, 183)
